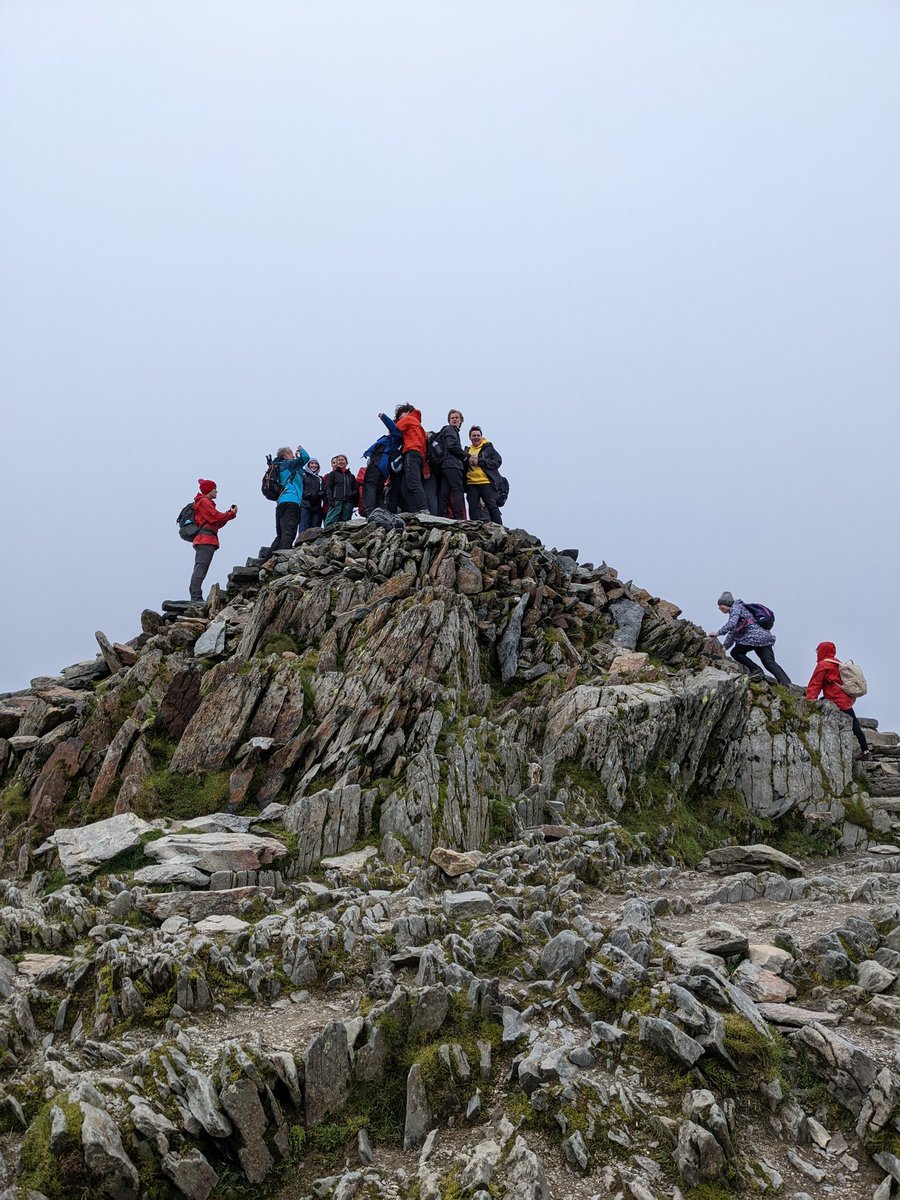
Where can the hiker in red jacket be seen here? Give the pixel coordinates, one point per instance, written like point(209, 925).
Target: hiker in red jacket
point(206, 543)
point(826, 678)
point(409, 421)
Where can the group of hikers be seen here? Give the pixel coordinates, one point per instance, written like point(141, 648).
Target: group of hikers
point(408, 469)
point(749, 631)
point(414, 471)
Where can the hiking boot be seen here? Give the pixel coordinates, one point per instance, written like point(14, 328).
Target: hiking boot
point(865, 756)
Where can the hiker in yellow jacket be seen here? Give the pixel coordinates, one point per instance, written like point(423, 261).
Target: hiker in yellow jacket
point(483, 464)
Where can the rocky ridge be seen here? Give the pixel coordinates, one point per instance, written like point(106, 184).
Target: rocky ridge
point(436, 864)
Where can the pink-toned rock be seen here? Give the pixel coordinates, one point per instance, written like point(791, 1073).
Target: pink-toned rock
point(761, 985)
point(627, 666)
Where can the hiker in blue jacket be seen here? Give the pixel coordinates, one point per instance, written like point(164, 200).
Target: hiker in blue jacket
point(378, 470)
point(743, 631)
point(287, 509)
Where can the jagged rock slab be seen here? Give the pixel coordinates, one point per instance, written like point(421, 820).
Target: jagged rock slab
point(793, 1016)
point(218, 851)
point(176, 870)
point(351, 863)
point(43, 967)
point(196, 905)
point(732, 860)
point(82, 851)
point(456, 862)
point(221, 923)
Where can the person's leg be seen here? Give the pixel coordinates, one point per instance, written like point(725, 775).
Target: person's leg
point(412, 482)
point(857, 730)
point(346, 510)
point(473, 498)
point(394, 497)
point(305, 518)
point(490, 502)
point(203, 556)
point(429, 486)
point(456, 499)
point(315, 519)
point(290, 519)
point(333, 515)
point(767, 657)
point(739, 654)
point(373, 488)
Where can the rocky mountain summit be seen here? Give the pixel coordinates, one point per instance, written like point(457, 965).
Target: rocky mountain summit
point(435, 865)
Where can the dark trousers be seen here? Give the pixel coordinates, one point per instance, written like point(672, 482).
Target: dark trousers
point(394, 497)
point(287, 519)
point(857, 730)
point(373, 488)
point(310, 518)
point(429, 485)
point(414, 498)
point(766, 656)
point(451, 500)
point(203, 556)
point(483, 493)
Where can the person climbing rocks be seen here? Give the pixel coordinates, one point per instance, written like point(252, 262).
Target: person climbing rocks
point(206, 543)
point(743, 631)
point(287, 508)
point(454, 461)
point(482, 477)
point(378, 469)
point(311, 508)
point(826, 680)
point(341, 491)
point(409, 421)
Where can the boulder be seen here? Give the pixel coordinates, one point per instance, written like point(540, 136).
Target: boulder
point(732, 860)
point(218, 851)
point(456, 862)
point(104, 1155)
point(82, 851)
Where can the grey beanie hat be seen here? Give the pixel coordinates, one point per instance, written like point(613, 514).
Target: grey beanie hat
point(726, 598)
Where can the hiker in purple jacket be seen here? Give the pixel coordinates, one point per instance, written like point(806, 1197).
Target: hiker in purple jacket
point(743, 631)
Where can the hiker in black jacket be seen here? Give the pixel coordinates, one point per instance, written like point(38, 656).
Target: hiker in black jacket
point(482, 477)
point(311, 508)
point(341, 491)
point(451, 469)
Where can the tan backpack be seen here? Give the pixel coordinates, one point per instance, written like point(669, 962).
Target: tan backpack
point(852, 679)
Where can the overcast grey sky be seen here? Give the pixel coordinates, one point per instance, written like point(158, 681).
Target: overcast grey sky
point(652, 247)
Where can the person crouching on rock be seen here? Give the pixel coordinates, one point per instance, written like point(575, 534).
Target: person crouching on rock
point(341, 490)
point(742, 631)
point(826, 679)
point(206, 543)
point(482, 477)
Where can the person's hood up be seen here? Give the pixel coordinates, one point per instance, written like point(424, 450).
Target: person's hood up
point(484, 442)
point(825, 650)
point(309, 471)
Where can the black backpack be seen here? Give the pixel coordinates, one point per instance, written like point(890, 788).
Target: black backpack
point(502, 490)
point(271, 481)
point(764, 617)
point(187, 524)
point(435, 450)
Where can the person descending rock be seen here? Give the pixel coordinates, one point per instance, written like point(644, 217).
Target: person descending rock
point(409, 422)
point(743, 631)
point(482, 477)
point(341, 491)
point(826, 679)
point(287, 509)
point(311, 508)
point(454, 461)
point(380, 455)
point(206, 543)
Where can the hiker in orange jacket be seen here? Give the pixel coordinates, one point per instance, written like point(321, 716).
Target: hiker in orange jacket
point(826, 678)
point(409, 421)
point(206, 543)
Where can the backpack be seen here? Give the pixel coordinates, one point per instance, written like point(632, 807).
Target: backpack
point(502, 490)
point(764, 617)
point(271, 480)
point(187, 524)
point(852, 679)
point(435, 450)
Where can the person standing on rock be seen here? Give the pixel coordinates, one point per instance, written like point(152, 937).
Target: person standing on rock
point(341, 491)
point(311, 508)
point(287, 508)
point(454, 461)
point(409, 422)
point(206, 543)
point(482, 477)
point(379, 457)
point(826, 680)
point(743, 631)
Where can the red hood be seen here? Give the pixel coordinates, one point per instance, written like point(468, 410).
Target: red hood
point(824, 650)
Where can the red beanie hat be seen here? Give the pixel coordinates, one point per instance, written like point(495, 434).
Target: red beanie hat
point(206, 486)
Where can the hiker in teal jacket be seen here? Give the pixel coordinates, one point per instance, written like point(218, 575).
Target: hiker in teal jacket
point(287, 510)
